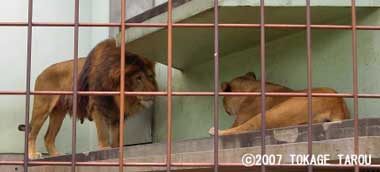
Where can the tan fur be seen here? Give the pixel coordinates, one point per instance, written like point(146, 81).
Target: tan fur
point(280, 111)
point(100, 71)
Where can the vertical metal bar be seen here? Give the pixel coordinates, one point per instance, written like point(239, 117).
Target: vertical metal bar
point(263, 79)
point(122, 81)
point(169, 86)
point(216, 85)
point(28, 73)
point(309, 84)
point(75, 88)
point(355, 81)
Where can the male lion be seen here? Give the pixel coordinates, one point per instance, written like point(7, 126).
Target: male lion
point(281, 111)
point(100, 71)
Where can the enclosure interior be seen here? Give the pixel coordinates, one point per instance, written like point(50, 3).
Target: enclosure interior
point(193, 61)
point(239, 49)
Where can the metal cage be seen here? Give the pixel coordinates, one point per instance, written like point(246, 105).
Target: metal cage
point(308, 26)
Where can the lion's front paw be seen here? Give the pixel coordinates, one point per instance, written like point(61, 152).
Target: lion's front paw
point(35, 155)
point(101, 147)
point(57, 154)
point(211, 131)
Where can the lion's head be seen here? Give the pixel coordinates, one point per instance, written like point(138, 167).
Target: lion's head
point(101, 72)
point(245, 83)
point(139, 77)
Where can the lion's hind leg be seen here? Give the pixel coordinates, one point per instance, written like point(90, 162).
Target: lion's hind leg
point(329, 109)
point(278, 116)
point(39, 116)
point(56, 118)
point(341, 112)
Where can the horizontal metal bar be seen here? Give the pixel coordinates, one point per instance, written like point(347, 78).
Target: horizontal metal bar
point(53, 24)
point(68, 163)
point(367, 27)
point(193, 164)
point(150, 164)
point(190, 164)
point(80, 93)
point(13, 23)
point(285, 26)
point(146, 24)
point(99, 24)
point(12, 92)
point(196, 25)
point(163, 93)
point(11, 162)
point(69, 24)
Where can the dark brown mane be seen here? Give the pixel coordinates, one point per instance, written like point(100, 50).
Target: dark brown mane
point(83, 86)
point(101, 72)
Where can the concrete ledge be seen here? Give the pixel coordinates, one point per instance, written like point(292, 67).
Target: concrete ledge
point(328, 138)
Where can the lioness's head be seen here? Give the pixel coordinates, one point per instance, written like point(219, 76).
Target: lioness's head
point(243, 83)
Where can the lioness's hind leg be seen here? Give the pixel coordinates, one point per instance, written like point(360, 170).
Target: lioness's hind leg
point(340, 114)
point(55, 122)
point(39, 116)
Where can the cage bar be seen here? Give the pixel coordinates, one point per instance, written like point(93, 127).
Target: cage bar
point(309, 86)
point(355, 81)
point(263, 80)
point(194, 25)
point(122, 85)
point(169, 86)
point(28, 76)
point(75, 88)
point(142, 164)
point(216, 86)
point(176, 93)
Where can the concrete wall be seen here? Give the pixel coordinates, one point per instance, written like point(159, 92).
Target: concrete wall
point(286, 64)
point(133, 8)
point(50, 45)
point(158, 2)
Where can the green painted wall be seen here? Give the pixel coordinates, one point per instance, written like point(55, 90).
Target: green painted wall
point(286, 64)
point(49, 45)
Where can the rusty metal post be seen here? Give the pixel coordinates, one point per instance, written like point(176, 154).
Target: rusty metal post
point(169, 85)
point(309, 85)
point(75, 89)
point(27, 92)
point(355, 81)
point(122, 85)
point(216, 86)
point(263, 80)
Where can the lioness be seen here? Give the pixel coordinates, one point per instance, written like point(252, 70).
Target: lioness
point(100, 71)
point(280, 111)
